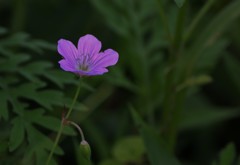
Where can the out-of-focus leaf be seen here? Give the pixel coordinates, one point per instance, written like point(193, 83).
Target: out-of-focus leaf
point(31, 70)
point(214, 163)
point(210, 56)
point(3, 106)
point(12, 64)
point(60, 78)
point(45, 45)
point(119, 79)
point(116, 20)
point(129, 149)
point(227, 155)
point(208, 37)
point(46, 98)
point(38, 141)
point(110, 162)
point(216, 26)
point(3, 146)
point(77, 107)
point(3, 30)
point(15, 39)
point(39, 146)
point(179, 2)
point(49, 122)
point(17, 133)
point(233, 69)
point(195, 81)
point(155, 146)
point(200, 113)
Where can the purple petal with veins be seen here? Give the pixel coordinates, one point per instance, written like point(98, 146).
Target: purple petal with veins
point(86, 60)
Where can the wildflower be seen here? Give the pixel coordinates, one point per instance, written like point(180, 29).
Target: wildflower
point(86, 59)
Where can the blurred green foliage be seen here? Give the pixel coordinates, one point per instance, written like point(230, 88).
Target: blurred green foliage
point(178, 71)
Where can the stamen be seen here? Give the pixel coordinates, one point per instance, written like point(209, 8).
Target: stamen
point(83, 62)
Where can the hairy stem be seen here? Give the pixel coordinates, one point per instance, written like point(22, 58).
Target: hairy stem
point(62, 124)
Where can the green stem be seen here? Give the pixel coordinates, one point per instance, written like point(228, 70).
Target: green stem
point(170, 105)
point(173, 127)
point(179, 29)
point(79, 130)
point(196, 20)
point(173, 101)
point(55, 143)
point(74, 99)
point(62, 124)
point(164, 20)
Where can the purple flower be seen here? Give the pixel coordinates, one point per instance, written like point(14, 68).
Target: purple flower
point(86, 59)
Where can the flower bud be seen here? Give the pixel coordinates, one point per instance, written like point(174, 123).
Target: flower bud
point(85, 149)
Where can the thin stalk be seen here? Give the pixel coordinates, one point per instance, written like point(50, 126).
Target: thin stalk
point(179, 97)
point(55, 143)
point(62, 124)
point(164, 20)
point(179, 29)
point(173, 128)
point(170, 107)
point(197, 19)
point(79, 129)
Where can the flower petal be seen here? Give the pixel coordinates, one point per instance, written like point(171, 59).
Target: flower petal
point(67, 65)
point(89, 45)
point(67, 50)
point(104, 59)
point(98, 71)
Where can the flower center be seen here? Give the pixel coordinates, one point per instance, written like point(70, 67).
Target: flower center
point(83, 67)
point(83, 63)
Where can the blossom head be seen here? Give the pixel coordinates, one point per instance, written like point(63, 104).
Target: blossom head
point(86, 59)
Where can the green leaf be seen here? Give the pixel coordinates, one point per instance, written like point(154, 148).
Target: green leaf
point(216, 26)
point(3, 106)
point(49, 122)
point(3, 146)
point(15, 39)
point(116, 20)
point(45, 45)
point(118, 78)
point(214, 163)
point(200, 113)
point(38, 144)
point(35, 68)
point(211, 55)
point(228, 155)
point(233, 68)
point(179, 2)
point(155, 146)
point(12, 63)
point(3, 30)
point(129, 149)
point(46, 98)
point(210, 34)
point(60, 78)
point(195, 81)
point(17, 133)
point(77, 107)
point(110, 162)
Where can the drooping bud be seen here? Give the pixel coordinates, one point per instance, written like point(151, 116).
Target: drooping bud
point(85, 149)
